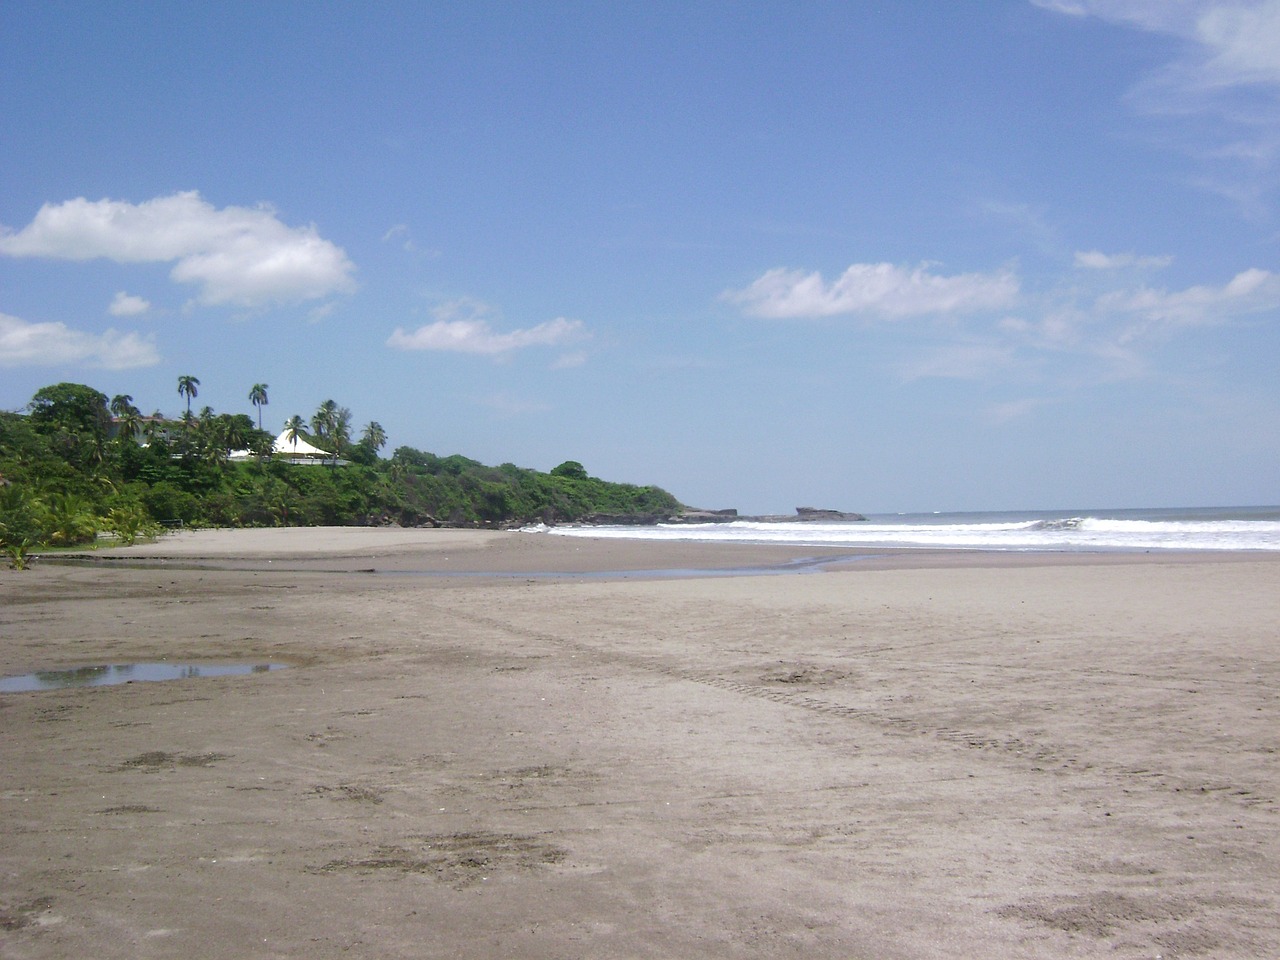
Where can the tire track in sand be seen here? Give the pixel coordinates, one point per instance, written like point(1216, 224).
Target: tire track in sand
point(1040, 757)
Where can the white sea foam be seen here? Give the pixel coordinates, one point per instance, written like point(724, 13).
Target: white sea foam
point(1216, 529)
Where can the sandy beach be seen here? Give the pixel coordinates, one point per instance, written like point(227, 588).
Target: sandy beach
point(494, 744)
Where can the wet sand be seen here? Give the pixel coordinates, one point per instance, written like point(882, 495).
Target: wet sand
point(904, 755)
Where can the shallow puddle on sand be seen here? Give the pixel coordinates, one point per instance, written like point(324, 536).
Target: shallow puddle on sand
point(105, 676)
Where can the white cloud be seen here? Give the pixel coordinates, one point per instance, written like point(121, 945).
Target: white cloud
point(400, 233)
point(1227, 66)
point(237, 255)
point(1251, 291)
point(1068, 7)
point(1232, 41)
point(1229, 44)
point(1110, 336)
point(128, 305)
point(881, 290)
point(1166, 16)
point(1243, 42)
point(24, 344)
point(1097, 260)
point(568, 361)
point(316, 314)
point(1058, 327)
point(476, 336)
point(1116, 330)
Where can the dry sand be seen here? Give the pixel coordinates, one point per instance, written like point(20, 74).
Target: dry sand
point(904, 756)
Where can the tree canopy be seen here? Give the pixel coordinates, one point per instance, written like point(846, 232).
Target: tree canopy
point(64, 479)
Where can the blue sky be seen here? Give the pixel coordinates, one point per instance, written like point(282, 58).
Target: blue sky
point(927, 255)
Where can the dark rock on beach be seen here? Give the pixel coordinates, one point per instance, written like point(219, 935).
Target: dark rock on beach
point(802, 514)
point(816, 513)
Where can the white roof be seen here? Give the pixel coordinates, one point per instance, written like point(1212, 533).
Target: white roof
point(297, 447)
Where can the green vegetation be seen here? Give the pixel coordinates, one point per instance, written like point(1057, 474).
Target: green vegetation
point(77, 465)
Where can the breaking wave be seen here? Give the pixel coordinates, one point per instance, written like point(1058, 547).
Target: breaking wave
point(1206, 529)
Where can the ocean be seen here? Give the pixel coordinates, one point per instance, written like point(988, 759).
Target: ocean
point(1199, 528)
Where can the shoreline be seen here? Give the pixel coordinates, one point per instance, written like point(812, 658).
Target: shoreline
point(915, 756)
point(440, 551)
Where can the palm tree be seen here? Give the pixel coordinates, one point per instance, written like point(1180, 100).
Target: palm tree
point(233, 432)
point(71, 519)
point(155, 427)
point(187, 388)
point(292, 429)
point(275, 501)
point(211, 442)
point(258, 397)
point(128, 417)
point(24, 522)
point(341, 433)
point(188, 425)
point(324, 420)
point(374, 437)
point(324, 416)
point(397, 471)
point(121, 403)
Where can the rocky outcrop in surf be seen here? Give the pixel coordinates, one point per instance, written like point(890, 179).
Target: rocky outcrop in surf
point(730, 515)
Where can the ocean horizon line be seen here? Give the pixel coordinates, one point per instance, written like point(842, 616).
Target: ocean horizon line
point(1069, 510)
